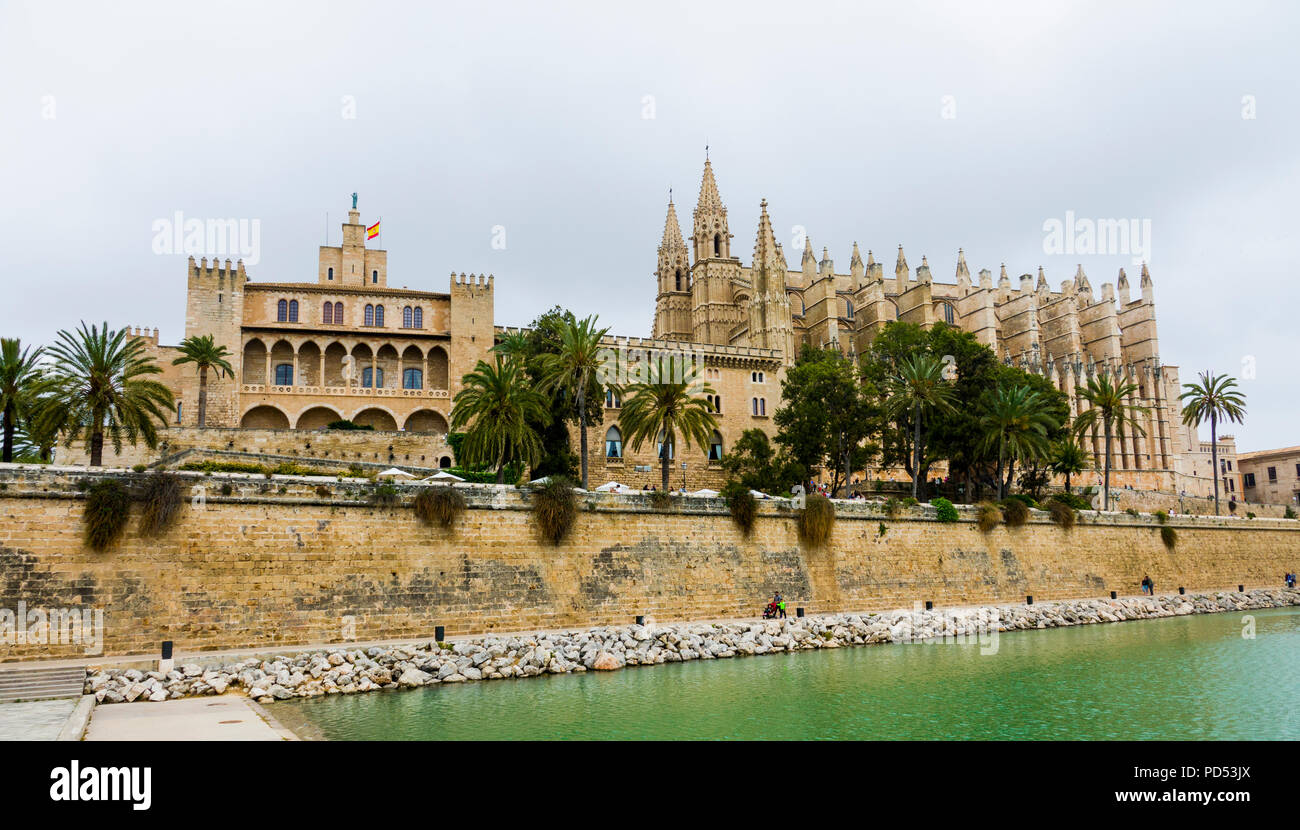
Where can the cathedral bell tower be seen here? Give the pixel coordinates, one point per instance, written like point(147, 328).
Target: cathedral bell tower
point(713, 309)
point(673, 277)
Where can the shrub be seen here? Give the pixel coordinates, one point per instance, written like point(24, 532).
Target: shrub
point(108, 504)
point(1290, 512)
point(439, 506)
point(661, 500)
point(1015, 512)
point(160, 499)
point(289, 468)
point(223, 467)
point(384, 495)
point(1249, 515)
point(893, 507)
point(1062, 513)
point(555, 507)
point(1132, 511)
point(138, 468)
point(909, 501)
point(1028, 501)
point(944, 509)
point(323, 491)
point(881, 531)
point(1169, 536)
point(742, 504)
point(1161, 517)
point(226, 489)
point(987, 516)
point(1071, 500)
point(816, 520)
point(346, 424)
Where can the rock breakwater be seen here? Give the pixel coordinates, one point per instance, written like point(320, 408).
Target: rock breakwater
point(344, 670)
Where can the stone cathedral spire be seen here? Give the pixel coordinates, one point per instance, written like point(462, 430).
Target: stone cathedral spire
point(673, 278)
point(770, 326)
point(711, 237)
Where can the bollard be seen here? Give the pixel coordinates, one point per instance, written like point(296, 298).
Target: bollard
point(167, 650)
point(929, 606)
point(1113, 595)
point(798, 612)
point(640, 619)
point(1181, 590)
point(166, 664)
point(1029, 600)
point(439, 633)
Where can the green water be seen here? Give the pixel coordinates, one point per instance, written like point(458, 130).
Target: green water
point(1185, 678)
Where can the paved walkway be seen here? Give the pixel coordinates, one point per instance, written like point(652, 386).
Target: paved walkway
point(224, 718)
point(37, 720)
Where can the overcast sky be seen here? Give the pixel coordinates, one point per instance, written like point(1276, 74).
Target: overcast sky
point(933, 125)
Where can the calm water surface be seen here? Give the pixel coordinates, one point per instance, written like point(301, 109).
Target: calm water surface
point(1186, 678)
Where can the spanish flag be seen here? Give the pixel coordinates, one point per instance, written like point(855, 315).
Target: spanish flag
point(372, 231)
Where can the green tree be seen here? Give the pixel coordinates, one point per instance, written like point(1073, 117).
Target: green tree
point(1108, 408)
point(204, 353)
point(757, 465)
point(574, 370)
point(1068, 459)
point(100, 383)
point(1016, 426)
point(826, 415)
point(1214, 398)
point(662, 407)
point(496, 409)
point(19, 381)
point(918, 388)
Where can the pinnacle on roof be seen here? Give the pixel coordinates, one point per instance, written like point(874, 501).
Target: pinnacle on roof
point(962, 269)
point(672, 229)
point(857, 255)
point(709, 198)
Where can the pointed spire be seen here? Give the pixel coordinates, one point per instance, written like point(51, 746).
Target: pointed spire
point(871, 258)
point(963, 270)
point(1003, 278)
point(1146, 275)
point(766, 250)
point(923, 271)
point(1081, 280)
point(856, 260)
point(808, 256)
point(1122, 281)
point(1042, 280)
point(709, 198)
point(901, 270)
point(672, 229)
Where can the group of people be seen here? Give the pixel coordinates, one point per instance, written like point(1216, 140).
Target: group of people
point(1148, 586)
point(776, 608)
point(1289, 578)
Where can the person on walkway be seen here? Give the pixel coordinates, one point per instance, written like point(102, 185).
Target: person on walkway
point(780, 605)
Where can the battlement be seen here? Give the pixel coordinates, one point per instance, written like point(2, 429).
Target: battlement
point(216, 269)
point(146, 334)
point(474, 280)
point(664, 345)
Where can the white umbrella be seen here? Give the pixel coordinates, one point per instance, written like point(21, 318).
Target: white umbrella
point(611, 487)
point(758, 494)
point(393, 472)
point(443, 475)
point(706, 493)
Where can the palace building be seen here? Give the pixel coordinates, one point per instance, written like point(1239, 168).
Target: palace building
point(347, 345)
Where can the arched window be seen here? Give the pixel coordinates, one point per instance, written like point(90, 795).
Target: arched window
point(282, 311)
point(717, 244)
point(848, 306)
point(679, 279)
point(338, 314)
point(715, 447)
point(284, 374)
point(419, 317)
point(756, 377)
point(444, 463)
point(178, 412)
point(406, 317)
point(327, 314)
point(379, 316)
point(659, 447)
point(612, 401)
point(331, 274)
point(374, 277)
point(412, 379)
point(948, 314)
point(378, 378)
point(370, 315)
point(760, 407)
point(613, 443)
point(293, 311)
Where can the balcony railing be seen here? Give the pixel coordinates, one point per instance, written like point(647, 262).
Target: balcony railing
point(353, 391)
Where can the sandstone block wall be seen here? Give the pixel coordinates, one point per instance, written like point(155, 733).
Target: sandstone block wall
point(276, 563)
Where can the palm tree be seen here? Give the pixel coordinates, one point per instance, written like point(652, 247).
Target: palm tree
point(1215, 397)
point(99, 383)
point(917, 385)
point(1108, 407)
point(497, 402)
point(662, 406)
point(573, 369)
point(206, 354)
point(513, 344)
point(1017, 423)
point(1069, 459)
point(19, 377)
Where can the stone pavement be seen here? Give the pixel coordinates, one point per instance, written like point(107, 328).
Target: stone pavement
point(38, 720)
point(224, 718)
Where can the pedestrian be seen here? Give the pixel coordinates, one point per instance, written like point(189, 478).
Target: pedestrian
point(780, 604)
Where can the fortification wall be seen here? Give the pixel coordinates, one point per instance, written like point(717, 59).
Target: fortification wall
point(278, 563)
